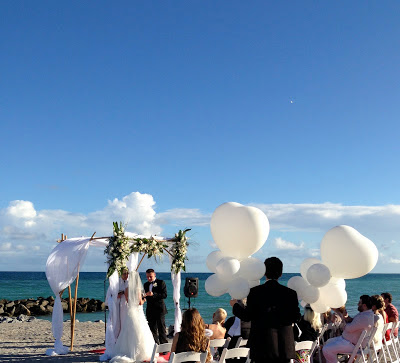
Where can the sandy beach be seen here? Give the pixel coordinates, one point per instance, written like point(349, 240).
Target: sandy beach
point(28, 341)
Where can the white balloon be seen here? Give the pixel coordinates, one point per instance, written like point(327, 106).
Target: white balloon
point(298, 284)
point(305, 265)
point(253, 283)
point(227, 267)
point(310, 294)
point(251, 268)
point(212, 259)
point(333, 295)
point(318, 275)
point(239, 288)
point(359, 254)
point(239, 231)
point(337, 281)
point(319, 307)
point(215, 287)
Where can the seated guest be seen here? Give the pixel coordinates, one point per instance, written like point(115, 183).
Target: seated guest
point(345, 343)
point(192, 337)
point(309, 326)
point(390, 310)
point(338, 317)
point(380, 316)
point(326, 317)
point(217, 326)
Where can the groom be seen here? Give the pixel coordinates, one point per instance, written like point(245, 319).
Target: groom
point(155, 293)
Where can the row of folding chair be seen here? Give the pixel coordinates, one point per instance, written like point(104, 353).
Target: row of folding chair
point(237, 352)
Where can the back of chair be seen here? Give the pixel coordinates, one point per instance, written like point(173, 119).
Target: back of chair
point(166, 347)
point(216, 343)
point(234, 353)
point(241, 342)
point(187, 357)
point(306, 344)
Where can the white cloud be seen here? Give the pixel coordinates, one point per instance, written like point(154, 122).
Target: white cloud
point(20, 247)
point(21, 209)
point(36, 248)
point(281, 244)
point(5, 246)
point(394, 260)
point(184, 217)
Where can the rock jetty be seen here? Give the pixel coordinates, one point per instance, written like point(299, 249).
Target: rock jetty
point(44, 306)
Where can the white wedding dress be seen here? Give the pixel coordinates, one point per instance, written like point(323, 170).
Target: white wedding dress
point(135, 342)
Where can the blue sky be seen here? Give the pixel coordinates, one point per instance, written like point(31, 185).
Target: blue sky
point(157, 112)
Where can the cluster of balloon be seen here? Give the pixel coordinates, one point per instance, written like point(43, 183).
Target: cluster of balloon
point(239, 231)
point(345, 254)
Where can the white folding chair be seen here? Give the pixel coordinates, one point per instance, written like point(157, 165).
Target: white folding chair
point(369, 349)
point(307, 344)
point(166, 347)
point(389, 356)
point(320, 342)
point(241, 342)
point(235, 353)
point(357, 351)
point(218, 343)
point(395, 339)
point(187, 357)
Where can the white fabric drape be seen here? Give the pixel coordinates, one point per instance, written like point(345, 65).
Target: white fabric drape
point(112, 301)
point(62, 267)
point(176, 283)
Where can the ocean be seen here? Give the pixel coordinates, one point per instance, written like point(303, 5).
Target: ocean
point(22, 285)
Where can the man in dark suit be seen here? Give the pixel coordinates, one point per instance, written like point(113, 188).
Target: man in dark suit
point(272, 310)
point(156, 292)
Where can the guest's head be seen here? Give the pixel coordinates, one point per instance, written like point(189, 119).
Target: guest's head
point(378, 303)
point(125, 274)
point(273, 268)
point(192, 330)
point(387, 297)
point(312, 317)
point(364, 303)
point(150, 275)
point(219, 316)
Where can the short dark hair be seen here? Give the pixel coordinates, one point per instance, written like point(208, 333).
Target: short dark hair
point(366, 299)
point(149, 270)
point(387, 295)
point(273, 268)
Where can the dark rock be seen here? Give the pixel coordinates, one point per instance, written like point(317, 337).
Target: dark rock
point(1, 310)
point(44, 303)
point(11, 311)
point(64, 306)
point(30, 304)
point(22, 309)
point(9, 305)
point(50, 299)
point(49, 309)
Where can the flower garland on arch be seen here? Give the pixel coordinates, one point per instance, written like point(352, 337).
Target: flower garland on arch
point(120, 247)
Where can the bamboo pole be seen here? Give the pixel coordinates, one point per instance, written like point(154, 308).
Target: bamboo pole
point(70, 305)
point(137, 268)
point(74, 312)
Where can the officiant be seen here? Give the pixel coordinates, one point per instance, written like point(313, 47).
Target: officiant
point(155, 293)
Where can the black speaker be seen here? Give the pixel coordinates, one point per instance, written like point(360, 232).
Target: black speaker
point(191, 288)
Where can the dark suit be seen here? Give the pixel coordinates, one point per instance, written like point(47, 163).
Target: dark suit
point(156, 310)
point(272, 309)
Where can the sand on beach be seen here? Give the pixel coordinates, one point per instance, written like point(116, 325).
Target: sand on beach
point(28, 341)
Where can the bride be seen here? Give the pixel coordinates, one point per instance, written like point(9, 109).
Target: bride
point(135, 342)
